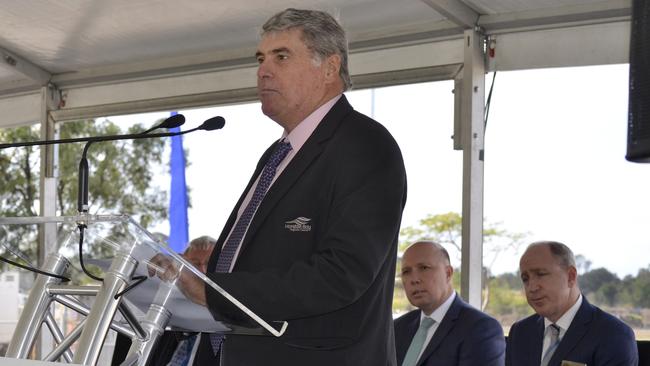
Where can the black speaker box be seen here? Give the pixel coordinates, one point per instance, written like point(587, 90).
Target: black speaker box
point(638, 131)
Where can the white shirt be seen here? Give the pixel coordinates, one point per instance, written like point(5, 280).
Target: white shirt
point(297, 137)
point(437, 316)
point(563, 323)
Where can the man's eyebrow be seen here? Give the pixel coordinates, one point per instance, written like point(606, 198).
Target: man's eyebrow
point(280, 50)
point(274, 51)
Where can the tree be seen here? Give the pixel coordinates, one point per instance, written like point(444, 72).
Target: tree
point(120, 181)
point(446, 229)
point(608, 293)
point(592, 281)
point(507, 304)
point(640, 291)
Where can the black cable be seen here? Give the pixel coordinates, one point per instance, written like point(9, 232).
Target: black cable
point(82, 227)
point(138, 279)
point(35, 270)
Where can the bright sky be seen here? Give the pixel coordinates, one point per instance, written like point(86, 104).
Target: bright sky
point(555, 166)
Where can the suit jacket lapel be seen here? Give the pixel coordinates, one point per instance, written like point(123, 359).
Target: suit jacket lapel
point(444, 328)
point(535, 357)
point(578, 329)
point(300, 162)
point(404, 337)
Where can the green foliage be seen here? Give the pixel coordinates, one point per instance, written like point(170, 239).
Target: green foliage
point(593, 280)
point(606, 289)
point(640, 291)
point(19, 170)
point(121, 177)
point(507, 299)
point(508, 280)
point(442, 228)
point(608, 294)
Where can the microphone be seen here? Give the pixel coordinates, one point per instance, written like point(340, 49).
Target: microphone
point(214, 123)
point(171, 122)
point(174, 121)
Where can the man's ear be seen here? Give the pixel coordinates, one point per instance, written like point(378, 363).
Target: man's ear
point(332, 67)
point(573, 276)
point(449, 270)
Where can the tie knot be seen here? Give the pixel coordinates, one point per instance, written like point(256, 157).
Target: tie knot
point(554, 329)
point(427, 322)
point(282, 149)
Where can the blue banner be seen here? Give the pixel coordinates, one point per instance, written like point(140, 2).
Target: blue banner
point(178, 225)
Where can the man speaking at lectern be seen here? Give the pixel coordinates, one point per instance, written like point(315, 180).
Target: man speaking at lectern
point(313, 238)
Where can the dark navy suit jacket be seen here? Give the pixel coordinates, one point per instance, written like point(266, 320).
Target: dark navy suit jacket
point(594, 338)
point(465, 337)
point(331, 278)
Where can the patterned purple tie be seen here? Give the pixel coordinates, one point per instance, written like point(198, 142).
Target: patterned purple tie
point(181, 356)
point(230, 248)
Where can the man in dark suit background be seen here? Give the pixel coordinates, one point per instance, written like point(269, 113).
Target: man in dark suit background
point(444, 331)
point(566, 329)
point(316, 245)
point(173, 348)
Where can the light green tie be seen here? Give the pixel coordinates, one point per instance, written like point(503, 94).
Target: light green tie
point(417, 343)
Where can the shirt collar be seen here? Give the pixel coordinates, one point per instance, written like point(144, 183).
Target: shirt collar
point(565, 320)
point(304, 129)
point(441, 311)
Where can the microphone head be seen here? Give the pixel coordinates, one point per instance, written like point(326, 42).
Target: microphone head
point(213, 123)
point(174, 121)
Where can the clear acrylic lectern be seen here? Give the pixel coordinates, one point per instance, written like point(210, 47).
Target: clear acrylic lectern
point(139, 295)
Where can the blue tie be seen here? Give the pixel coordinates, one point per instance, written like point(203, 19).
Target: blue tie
point(417, 343)
point(234, 240)
point(183, 352)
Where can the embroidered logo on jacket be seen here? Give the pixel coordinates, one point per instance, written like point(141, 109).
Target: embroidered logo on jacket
point(299, 224)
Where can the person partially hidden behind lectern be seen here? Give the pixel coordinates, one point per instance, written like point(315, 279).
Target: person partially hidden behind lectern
point(175, 348)
point(566, 329)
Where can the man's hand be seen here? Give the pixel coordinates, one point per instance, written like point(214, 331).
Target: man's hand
point(168, 270)
point(162, 266)
point(192, 287)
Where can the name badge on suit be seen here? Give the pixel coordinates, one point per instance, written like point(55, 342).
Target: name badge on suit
point(571, 363)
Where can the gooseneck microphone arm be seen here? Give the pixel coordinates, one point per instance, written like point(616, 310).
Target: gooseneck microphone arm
point(82, 203)
point(213, 123)
point(82, 199)
point(173, 121)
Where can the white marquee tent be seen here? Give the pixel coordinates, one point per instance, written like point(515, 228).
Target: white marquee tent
point(71, 59)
